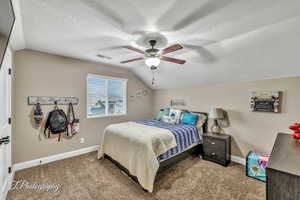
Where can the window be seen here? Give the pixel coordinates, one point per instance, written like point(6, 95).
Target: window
point(106, 96)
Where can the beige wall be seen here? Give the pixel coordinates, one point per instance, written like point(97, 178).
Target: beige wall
point(40, 74)
point(250, 130)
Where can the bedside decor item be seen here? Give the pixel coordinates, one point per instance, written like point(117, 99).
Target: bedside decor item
point(266, 101)
point(216, 114)
point(175, 115)
point(296, 128)
point(256, 165)
point(217, 148)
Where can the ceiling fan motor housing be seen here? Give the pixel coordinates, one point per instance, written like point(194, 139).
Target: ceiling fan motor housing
point(152, 52)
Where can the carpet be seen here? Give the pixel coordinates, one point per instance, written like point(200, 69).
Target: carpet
point(86, 178)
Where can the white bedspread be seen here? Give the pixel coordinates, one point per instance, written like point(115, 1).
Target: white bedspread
point(136, 147)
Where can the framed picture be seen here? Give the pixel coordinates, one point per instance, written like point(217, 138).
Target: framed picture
point(145, 92)
point(138, 93)
point(131, 97)
point(266, 101)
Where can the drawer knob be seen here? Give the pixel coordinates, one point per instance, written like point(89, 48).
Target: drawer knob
point(213, 143)
point(213, 154)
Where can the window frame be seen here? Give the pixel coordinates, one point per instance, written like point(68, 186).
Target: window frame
point(124, 98)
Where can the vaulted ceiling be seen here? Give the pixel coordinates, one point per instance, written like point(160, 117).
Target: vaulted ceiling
point(224, 40)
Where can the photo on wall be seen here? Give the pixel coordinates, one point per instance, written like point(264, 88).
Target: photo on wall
point(267, 101)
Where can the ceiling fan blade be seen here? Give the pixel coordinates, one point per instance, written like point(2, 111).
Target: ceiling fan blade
point(132, 60)
point(172, 48)
point(174, 60)
point(134, 49)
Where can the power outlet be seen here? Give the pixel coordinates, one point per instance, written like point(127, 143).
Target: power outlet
point(82, 140)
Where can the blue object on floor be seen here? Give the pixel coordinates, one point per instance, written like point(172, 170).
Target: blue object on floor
point(256, 165)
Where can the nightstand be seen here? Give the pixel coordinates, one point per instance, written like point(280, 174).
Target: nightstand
point(217, 148)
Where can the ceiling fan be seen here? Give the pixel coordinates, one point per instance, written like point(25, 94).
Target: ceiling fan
point(153, 56)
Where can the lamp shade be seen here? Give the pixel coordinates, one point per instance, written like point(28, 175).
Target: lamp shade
point(216, 113)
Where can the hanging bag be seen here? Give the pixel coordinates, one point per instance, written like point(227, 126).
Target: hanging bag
point(73, 126)
point(38, 115)
point(56, 123)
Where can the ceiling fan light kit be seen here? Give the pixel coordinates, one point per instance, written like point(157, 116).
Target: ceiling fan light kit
point(152, 62)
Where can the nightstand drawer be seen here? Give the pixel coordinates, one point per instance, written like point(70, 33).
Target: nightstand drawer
point(213, 143)
point(216, 154)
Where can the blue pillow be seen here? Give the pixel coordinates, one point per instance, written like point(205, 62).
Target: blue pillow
point(164, 112)
point(189, 119)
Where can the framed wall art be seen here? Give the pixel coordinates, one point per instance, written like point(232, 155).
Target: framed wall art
point(267, 101)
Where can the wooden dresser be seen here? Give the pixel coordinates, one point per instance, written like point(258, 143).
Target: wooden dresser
point(283, 172)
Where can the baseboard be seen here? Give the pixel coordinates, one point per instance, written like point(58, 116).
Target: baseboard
point(44, 160)
point(7, 185)
point(238, 160)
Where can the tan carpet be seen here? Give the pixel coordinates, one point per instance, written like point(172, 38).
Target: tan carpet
point(85, 178)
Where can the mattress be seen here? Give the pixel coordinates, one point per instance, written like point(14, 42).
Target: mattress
point(187, 136)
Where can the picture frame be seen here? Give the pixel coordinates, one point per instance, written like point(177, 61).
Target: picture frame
point(266, 101)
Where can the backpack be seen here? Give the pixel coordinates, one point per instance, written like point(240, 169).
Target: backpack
point(56, 123)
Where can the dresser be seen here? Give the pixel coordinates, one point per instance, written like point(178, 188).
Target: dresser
point(217, 148)
point(283, 172)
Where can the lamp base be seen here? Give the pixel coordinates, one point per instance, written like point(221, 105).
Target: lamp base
point(215, 128)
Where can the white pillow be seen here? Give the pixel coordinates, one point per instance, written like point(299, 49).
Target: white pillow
point(168, 119)
point(175, 115)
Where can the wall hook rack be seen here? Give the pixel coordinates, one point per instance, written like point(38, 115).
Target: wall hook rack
point(44, 100)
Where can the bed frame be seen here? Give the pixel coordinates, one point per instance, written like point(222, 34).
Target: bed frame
point(163, 165)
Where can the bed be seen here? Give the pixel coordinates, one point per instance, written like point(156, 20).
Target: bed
point(144, 148)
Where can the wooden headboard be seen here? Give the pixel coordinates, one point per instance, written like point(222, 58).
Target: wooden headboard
point(205, 125)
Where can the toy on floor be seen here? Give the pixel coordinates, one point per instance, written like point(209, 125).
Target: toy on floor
point(256, 164)
point(296, 128)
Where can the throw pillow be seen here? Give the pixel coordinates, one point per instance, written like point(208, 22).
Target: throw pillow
point(175, 115)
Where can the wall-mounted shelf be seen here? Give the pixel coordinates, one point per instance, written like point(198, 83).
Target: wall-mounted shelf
point(43, 100)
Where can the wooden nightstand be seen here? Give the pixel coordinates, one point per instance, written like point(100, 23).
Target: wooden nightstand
point(217, 148)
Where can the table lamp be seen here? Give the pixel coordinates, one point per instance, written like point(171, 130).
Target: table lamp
point(215, 114)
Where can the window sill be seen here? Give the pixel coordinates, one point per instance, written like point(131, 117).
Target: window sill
point(105, 116)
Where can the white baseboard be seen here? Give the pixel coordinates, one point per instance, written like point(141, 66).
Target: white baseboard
point(7, 185)
point(44, 160)
point(238, 160)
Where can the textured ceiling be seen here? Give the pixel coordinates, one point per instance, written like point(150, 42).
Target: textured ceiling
point(225, 41)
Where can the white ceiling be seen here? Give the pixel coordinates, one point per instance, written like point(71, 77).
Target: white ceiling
point(225, 41)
